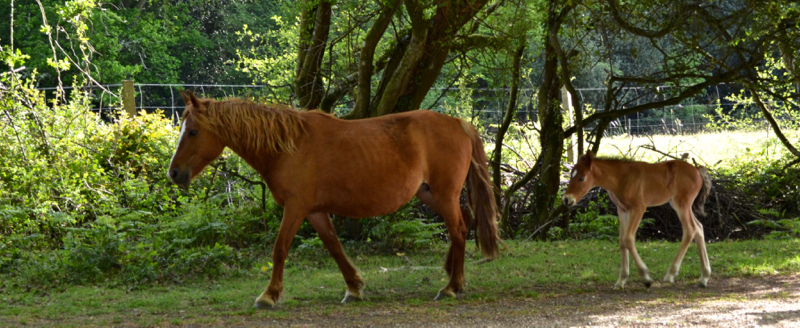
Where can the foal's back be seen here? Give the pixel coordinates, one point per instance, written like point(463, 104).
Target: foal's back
point(659, 183)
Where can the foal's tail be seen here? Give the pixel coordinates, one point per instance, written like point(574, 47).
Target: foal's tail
point(699, 202)
point(480, 196)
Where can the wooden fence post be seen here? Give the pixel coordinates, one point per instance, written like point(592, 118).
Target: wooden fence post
point(128, 97)
point(566, 107)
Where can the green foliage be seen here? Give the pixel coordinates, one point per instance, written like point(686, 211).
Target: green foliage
point(405, 229)
point(746, 116)
point(83, 200)
point(593, 222)
point(159, 42)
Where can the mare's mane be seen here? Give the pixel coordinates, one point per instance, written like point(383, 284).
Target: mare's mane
point(250, 126)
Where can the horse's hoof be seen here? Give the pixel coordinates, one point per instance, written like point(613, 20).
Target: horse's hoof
point(264, 304)
point(444, 294)
point(648, 283)
point(350, 297)
point(702, 284)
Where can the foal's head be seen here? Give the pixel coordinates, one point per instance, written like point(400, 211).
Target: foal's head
point(581, 180)
point(197, 146)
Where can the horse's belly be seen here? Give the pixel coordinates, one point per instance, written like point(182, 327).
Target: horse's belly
point(364, 201)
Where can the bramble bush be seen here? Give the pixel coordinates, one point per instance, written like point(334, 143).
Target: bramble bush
point(84, 200)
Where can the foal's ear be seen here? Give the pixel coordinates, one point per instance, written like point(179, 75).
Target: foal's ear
point(587, 158)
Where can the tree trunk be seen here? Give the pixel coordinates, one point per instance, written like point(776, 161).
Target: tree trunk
point(315, 22)
point(497, 155)
point(417, 61)
point(551, 138)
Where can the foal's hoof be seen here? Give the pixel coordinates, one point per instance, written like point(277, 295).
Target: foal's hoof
point(703, 282)
point(350, 297)
point(444, 293)
point(648, 283)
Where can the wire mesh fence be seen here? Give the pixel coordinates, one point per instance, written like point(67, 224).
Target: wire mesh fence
point(489, 104)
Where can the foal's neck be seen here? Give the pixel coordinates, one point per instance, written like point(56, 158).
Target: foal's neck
point(606, 173)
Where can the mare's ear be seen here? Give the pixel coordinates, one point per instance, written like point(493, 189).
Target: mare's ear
point(186, 99)
point(189, 97)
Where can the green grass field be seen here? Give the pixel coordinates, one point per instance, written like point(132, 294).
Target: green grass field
point(405, 282)
point(706, 148)
point(709, 148)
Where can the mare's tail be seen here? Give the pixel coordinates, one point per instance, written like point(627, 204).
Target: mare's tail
point(699, 202)
point(480, 195)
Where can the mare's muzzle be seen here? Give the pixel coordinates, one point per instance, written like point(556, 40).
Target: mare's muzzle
point(180, 177)
point(568, 200)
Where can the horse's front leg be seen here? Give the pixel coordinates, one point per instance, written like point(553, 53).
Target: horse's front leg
point(322, 224)
point(292, 218)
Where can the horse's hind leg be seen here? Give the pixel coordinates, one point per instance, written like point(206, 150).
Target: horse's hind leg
point(628, 224)
point(292, 218)
point(450, 210)
point(322, 224)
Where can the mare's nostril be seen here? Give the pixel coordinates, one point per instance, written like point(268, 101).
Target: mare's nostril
point(173, 173)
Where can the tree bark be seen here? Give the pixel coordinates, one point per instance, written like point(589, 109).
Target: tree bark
point(315, 22)
point(497, 154)
point(551, 138)
point(366, 67)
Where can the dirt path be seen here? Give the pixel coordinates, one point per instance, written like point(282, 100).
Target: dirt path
point(772, 301)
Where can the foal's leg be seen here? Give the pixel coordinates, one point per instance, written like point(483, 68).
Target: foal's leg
point(692, 230)
point(322, 224)
point(292, 218)
point(689, 232)
point(450, 210)
point(700, 240)
point(627, 243)
point(624, 268)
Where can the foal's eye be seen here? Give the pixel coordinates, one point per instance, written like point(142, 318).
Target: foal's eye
point(582, 178)
point(193, 133)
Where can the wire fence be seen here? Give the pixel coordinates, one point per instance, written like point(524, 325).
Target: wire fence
point(690, 116)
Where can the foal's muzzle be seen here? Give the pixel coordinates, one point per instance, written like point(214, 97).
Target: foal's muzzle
point(179, 177)
point(568, 200)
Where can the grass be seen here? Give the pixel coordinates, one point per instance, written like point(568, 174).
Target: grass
point(706, 148)
point(314, 286)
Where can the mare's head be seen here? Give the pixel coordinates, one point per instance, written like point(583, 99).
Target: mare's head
point(581, 180)
point(197, 145)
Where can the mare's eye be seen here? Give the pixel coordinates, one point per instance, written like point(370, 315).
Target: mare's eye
point(582, 178)
point(193, 133)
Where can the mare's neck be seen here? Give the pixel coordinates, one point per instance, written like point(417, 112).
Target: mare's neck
point(261, 161)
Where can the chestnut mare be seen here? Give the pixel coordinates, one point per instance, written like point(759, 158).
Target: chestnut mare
point(315, 164)
point(633, 186)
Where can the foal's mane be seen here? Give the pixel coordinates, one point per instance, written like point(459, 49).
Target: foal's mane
point(251, 126)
